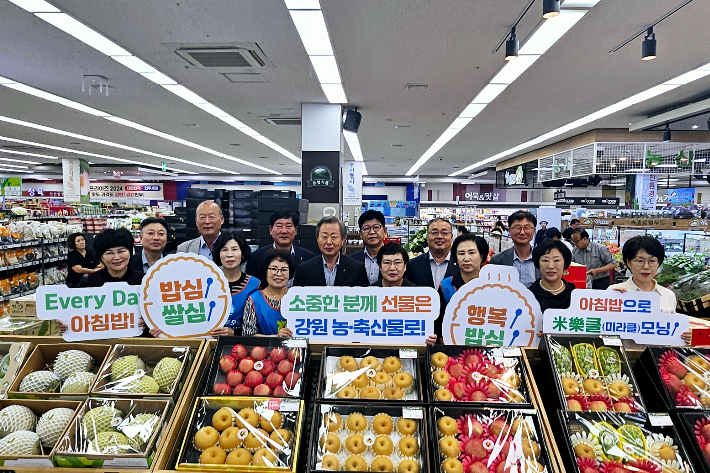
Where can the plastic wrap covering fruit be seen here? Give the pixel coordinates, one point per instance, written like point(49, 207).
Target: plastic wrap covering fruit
point(488, 441)
point(465, 374)
point(142, 371)
point(376, 437)
point(593, 374)
point(241, 434)
point(699, 426)
point(258, 366)
point(685, 373)
point(608, 442)
point(370, 373)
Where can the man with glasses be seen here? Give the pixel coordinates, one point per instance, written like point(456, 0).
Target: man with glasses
point(373, 233)
point(329, 268)
point(595, 256)
point(522, 230)
point(283, 227)
point(393, 262)
point(154, 237)
point(209, 218)
point(430, 268)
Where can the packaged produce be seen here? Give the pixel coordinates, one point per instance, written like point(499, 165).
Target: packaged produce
point(15, 287)
point(243, 434)
point(388, 374)
point(695, 434)
point(368, 437)
point(487, 375)
point(676, 266)
point(258, 366)
point(692, 286)
point(32, 280)
point(12, 356)
point(5, 238)
point(11, 257)
point(139, 370)
point(5, 288)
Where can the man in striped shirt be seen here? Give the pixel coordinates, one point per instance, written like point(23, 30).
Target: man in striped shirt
point(595, 256)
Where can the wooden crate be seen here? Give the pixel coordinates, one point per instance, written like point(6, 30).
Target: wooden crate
point(701, 304)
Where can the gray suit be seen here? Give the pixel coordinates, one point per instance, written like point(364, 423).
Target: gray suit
point(505, 258)
point(190, 246)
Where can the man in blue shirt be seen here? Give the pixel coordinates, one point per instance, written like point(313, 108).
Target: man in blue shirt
point(209, 218)
point(522, 230)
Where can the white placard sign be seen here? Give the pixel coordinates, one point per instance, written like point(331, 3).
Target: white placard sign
point(632, 315)
point(374, 315)
point(92, 313)
point(493, 310)
point(352, 183)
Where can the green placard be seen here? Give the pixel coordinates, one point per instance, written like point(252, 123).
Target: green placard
point(11, 186)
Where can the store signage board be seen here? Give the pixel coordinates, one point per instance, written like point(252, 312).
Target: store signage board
point(495, 309)
point(185, 295)
point(95, 313)
point(632, 315)
point(11, 186)
point(374, 315)
point(647, 191)
point(607, 201)
point(684, 196)
point(133, 190)
point(352, 183)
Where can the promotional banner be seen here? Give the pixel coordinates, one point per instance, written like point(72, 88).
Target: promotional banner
point(393, 315)
point(11, 186)
point(71, 179)
point(493, 310)
point(185, 295)
point(633, 315)
point(684, 196)
point(135, 190)
point(352, 183)
point(647, 191)
point(95, 313)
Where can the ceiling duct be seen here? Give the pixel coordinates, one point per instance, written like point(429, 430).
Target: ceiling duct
point(244, 57)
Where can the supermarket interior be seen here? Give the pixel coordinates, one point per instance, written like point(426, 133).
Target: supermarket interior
point(276, 236)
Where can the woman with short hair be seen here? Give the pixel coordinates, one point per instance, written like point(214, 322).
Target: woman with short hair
point(81, 260)
point(262, 312)
point(552, 258)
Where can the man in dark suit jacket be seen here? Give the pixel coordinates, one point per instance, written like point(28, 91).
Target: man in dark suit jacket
point(331, 268)
point(373, 233)
point(522, 229)
point(430, 268)
point(154, 237)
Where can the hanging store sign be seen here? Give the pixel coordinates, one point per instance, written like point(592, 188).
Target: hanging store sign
point(11, 186)
point(516, 177)
point(646, 191)
point(134, 190)
point(683, 196)
point(75, 177)
point(352, 184)
point(608, 201)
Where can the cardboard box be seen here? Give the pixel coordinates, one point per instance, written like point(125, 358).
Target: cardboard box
point(17, 353)
point(24, 326)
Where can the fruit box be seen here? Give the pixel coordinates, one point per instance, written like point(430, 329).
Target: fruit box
point(13, 357)
point(335, 446)
point(49, 432)
point(123, 376)
point(43, 357)
point(487, 440)
point(695, 435)
point(123, 433)
point(594, 442)
point(364, 376)
point(483, 376)
point(675, 378)
point(591, 374)
point(262, 366)
point(273, 446)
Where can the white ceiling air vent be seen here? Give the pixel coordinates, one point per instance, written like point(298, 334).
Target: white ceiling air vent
point(243, 78)
point(245, 57)
point(280, 121)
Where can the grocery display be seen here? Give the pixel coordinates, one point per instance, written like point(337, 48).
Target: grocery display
point(480, 375)
point(242, 434)
point(592, 374)
point(694, 428)
point(692, 285)
point(258, 366)
point(12, 357)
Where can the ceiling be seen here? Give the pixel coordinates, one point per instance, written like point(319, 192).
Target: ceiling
point(380, 46)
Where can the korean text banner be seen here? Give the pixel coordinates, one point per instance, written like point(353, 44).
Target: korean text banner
point(493, 310)
point(95, 313)
point(632, 315)
point(185, 295)
point(374, 315)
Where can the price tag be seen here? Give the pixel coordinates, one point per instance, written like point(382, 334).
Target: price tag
point(289, 405)
point(408, 353)
point(296, 343)
point(660, 420)
point(612, 341)
point(412, 413)
point(274, 404)
point(511, 352)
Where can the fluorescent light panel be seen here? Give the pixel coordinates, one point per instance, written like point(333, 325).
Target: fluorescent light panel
point(327, 69)
point(514, 69)
point(551, 31)
point(13, 170)
point(310, 25)
point(334, 93)
point(24, 153)
point(35, 6)
point(83, 33)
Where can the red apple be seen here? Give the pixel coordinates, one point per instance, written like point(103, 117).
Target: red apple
point(478, 467)
point(491, 370)
point(574, 405)
point(618, 469)
point(674, 384)
point(675, 367)
point(235, 377)
point(472, 359)
point(499, 426)
point(278, 354)
point(494, 390)
point(622, 407)
point(253, 378)
point(239, 352)
point(227, 363)
point(285, 367)
point(246, 365)
point(262, 390)
point(268, 367)
point(221, 389)
point(241, 390)
point(475, 449)
point(705, 430)
point(273, 380)
point(473, 428)
point(459, 389)
point(291, 379)
point(505, 466)
point(479, 396)
point(456, 370)
point(258, 353)
point(294, 355)
point(598, 406)
point(280, 392)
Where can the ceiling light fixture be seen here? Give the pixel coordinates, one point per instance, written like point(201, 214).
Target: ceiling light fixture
point(550, 8)
point(512, 46)
point(694, 127)
point(10, 170)
point(24, 153)
point(648, 47)
point(667, 134)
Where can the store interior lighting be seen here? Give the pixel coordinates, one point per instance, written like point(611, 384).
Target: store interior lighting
point(648, 47)
point(667, 134)
point(512, 45)
point(550, 8)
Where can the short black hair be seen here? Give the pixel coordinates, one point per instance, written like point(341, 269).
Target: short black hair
point(434, 220)
point(643, 242)
point(461, 229)
point(150, 220)
point(579, 231)
point(392, 249)
point(371, 215)
point(222, 240)
point(553, 232)
point(481, 245)
point(71, 240)
point(112, 238)
point(573, 221)
point(521, 215)
point(284, 213)
point(548, 245)
point(279, 255)
point(543, 221)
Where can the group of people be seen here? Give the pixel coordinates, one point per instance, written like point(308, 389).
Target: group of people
point(259, 280)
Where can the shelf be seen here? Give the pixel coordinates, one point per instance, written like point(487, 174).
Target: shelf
point(33, 263)
point(15, 296)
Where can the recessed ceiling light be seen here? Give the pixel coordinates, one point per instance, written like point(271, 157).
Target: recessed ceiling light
point(190, 125)
point(695, 127)
point(623, 158)
point(396, 146)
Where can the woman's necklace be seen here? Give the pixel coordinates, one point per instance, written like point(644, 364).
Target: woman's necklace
point(554, 291)
point(271, 295)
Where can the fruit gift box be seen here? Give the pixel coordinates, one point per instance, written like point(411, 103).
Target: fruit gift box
point(242, 434)
point(612, 442)
point(487, 440)
point(694, 428)
point(388, 374)
point(479, 375)
point(592, 374)
point(119, 433)
point(12, 357)
point(258, 366)
point(373, 437)
point(59, 371)
point(133, 371)
point(30, 429)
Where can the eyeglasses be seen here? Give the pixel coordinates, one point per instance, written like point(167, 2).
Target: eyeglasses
point(374, 228)
point(436, 233)
point(276, 271)
point(397, 264)
point(576, 241)
point(211, 218)
point(522, 228)
point(640, 262)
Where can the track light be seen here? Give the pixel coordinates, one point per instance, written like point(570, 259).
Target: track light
point(648, 47)
point(511, 46)
point(667, 134)
point(550, 8)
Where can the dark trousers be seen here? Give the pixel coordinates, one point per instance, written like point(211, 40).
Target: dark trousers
point(601, 283)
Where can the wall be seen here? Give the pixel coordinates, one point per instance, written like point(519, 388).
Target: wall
point(445, 191)
point(392, 192)
point(249, 187)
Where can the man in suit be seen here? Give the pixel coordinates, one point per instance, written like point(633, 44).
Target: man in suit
point(373, 233)
point(430, 268)
point(330, 268)
point(283, 227)
point(154, 237)
point(209, 218)
point(522, 230)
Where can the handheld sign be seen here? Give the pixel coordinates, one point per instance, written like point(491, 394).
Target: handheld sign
point(185, 295)
point(493, 310)
point(632, 315)
point(92, 313)
point(375, 315)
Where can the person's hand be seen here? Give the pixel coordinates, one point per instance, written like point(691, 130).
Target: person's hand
point(62, 328)
point(285, 333)
point(620, 289)
point(432, 339)
point(97, 269)
point(141, 323)
point(687, 336)
point(155, 332)
point(222, 332)
point(593, 272)
point(539, 334)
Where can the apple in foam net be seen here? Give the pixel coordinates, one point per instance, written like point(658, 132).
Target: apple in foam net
point(253, 379)
point(291, 379)
point(241, 390)
point(267, 368)
point(274, 379)
point(239, 352)
point(278, 354)
point(294, 355)
point(279, 391)
point(574, 405)
point(246, 365)
point(262, 390)
point(478, 467)
point(227, 363)
point(221, 389)
point(258, 353)
point(285, 367)
point(235, 377)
